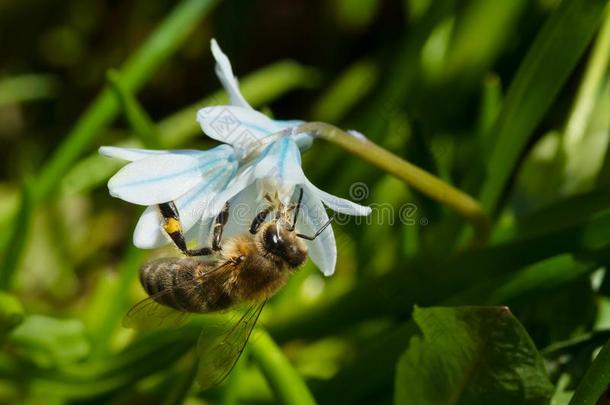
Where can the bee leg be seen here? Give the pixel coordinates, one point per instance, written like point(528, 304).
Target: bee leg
point(300, 235)
point(297, 208)
point(259, 219)
point(219, 224)
point(173, 227)
point(237, 260)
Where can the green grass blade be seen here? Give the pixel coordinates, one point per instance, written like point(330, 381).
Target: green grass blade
point(11, 314)
point(549, 62)
point(351, 86)
point(285, 382)
point(592, 84)
point(18, 89)
point(138, 68)
point(18, 238)
point(261, 87)
point(480, 32)
point(113, 310)
point(139, 121)
point(595, 381)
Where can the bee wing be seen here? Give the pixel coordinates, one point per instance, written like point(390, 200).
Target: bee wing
point(149, 313)
point(219, 353)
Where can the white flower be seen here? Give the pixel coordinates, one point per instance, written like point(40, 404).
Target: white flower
point(190, 178)
point(263, 159)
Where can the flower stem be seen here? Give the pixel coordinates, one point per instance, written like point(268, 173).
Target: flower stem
point(419, 179)
point(285, 382)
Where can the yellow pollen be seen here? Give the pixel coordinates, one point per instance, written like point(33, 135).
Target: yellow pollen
point(172, 225)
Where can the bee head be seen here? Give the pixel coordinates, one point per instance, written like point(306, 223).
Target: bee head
point(283, 243)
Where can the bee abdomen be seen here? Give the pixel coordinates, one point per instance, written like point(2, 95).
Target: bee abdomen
point(176, 278)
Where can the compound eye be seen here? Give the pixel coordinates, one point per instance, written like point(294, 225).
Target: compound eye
point(272, 239)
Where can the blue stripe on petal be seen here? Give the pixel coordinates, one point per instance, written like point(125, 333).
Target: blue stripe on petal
point(282, 157)
point(214, 181)
point(157, 179)
point(196, 192)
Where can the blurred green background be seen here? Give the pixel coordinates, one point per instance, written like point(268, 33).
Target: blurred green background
point(506, 100)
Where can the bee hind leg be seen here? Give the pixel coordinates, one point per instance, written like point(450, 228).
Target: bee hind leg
point(173, 227)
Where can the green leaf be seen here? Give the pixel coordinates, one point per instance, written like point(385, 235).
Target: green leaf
point(287, 385)
point(549, 62)
point(481, 31)
point(595, 381)
point(161, 44)
point(471, 355)
point(51, 341)
point(586, 134)
point(347, 90)
point(139, 120)
point(17, 238)
point(260, 87)
point(11, 314)
point(28, 87)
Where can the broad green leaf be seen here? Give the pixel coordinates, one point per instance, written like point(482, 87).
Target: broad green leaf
point(471, 355)
point(51, 341)
point(153, 353)
point(375, 361)
point(550, 60)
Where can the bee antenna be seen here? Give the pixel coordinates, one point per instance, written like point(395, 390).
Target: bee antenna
point(297, 209)
point(300, 235)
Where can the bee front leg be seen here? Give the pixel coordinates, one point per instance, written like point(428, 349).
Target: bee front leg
point(219, 225)
point(259, 219)
point(173, 227)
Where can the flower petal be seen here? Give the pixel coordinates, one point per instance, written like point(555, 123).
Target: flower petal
point(242, 180)
point(148, 233)
point(197, 203)
point(238, 126)
point(193, 208)
point(130, 154)
point(133, 154)
point(338, 204)
point(165, 177)
point(323, 249)
point(304, 140)
point(155, 180)
point(226, 76)
point(243, 207)
point(281, 161)
point(200, 233)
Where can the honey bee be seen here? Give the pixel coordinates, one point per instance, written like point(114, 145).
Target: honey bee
point(244, 270)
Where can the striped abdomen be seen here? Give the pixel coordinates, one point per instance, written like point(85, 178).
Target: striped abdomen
point(182, 286)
